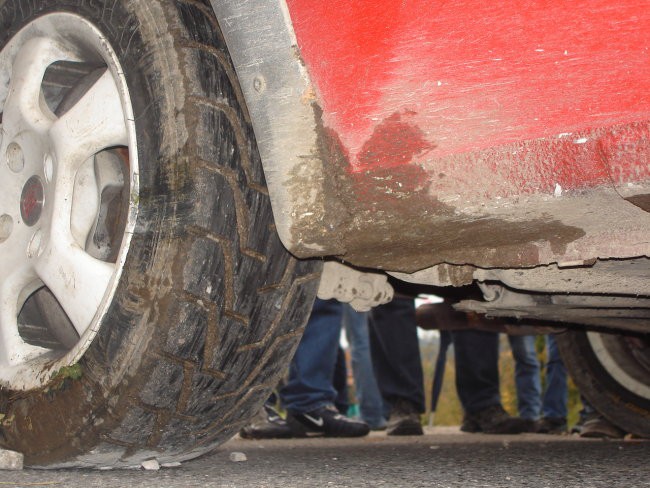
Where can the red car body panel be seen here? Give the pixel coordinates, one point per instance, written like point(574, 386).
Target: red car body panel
point(490, 99)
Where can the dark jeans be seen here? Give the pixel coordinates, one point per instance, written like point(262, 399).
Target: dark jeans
point(395, 352)
point(477, 369)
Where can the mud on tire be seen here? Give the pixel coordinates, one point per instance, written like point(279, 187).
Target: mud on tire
point(205, 306)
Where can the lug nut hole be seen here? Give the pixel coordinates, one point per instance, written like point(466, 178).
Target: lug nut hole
point(6, 227)
point(15, 157)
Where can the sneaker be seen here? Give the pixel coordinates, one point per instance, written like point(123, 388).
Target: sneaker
point(495, 420)
point(552, 425)
point(267, 424)
point(404, 420)
point(597, 427)
point(326, 421)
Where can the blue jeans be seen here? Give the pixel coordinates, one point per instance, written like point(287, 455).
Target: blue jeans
point(556, 395)
point(395, 352)
point(340, 382)
point(370, 401)
point(531, 403)
point(311, 373)
point(528, 381)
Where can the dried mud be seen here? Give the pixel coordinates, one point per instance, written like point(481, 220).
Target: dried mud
point(385, 217)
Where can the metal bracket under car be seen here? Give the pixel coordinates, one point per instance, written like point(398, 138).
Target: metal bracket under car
point(362, 291)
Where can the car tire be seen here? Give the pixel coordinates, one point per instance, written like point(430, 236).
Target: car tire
point(612, 371)
point(148, 305)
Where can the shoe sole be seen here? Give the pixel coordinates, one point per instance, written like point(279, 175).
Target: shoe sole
point(414, 429)
point(261, 436)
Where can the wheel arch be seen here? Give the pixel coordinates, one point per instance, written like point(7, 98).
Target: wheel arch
point(284, 112)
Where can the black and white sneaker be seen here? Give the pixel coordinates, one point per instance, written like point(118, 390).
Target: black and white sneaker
point(267, 424)
point(326, 421)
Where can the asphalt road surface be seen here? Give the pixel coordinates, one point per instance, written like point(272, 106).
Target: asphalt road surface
point(441, 458)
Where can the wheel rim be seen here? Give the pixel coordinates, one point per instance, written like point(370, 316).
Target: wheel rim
point(625, 358)
point(68, 173)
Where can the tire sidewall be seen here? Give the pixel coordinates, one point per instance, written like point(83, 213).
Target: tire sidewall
point(625, 409)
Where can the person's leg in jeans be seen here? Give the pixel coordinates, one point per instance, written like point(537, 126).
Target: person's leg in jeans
point(395, 351)
point(477, 384)
point(311, 371)
point(527, 376)
point(371, 405)
point(340, 382)
point(556, 396)
point(309, 394)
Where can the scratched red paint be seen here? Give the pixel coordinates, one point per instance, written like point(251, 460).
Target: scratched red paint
point(475, 76)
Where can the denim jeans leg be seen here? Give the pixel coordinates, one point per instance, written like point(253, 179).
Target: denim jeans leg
point(340, 382)
point(556, 395)
point(477, 369)
point(527, 376)
point(395, 352)
point(370, 402)
point(312, 368)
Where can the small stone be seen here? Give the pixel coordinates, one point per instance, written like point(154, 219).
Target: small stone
point(174, 464)
point(238, 457)
point(151, 465)
point(11, 460)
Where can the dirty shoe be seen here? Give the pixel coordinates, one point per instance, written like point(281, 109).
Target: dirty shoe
point(267, 424)
point(495, 420)
point(404, 420)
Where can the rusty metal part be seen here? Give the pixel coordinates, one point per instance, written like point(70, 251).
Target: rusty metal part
point(439, 275)
point(613, 277)
point(443, 316)
point(600, 312)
